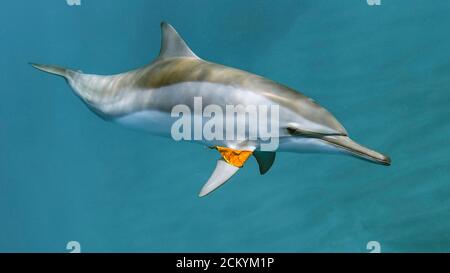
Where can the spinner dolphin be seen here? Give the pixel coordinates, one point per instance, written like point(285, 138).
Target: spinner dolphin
point(144, 99)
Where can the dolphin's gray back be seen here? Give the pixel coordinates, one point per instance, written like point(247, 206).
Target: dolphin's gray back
point(177, 80)
point(196, 73)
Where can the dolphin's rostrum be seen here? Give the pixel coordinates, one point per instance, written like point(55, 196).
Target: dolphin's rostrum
point(143, 99)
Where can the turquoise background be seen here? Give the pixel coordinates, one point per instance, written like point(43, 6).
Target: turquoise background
point(382, 70)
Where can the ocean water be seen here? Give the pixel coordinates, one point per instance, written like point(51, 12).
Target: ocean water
point(383, 71)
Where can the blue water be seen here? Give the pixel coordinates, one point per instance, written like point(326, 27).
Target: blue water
point(382, 70)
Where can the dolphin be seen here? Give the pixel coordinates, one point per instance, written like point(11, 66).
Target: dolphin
point(144, 98)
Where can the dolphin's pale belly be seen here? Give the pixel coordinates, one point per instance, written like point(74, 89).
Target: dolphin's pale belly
point(164, 99)
point(160, 123)
point(155, 118)
point(152, 121)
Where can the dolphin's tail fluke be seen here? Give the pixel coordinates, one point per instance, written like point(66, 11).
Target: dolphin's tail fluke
point(88, 87)
point(52, 69)
point(355, 149)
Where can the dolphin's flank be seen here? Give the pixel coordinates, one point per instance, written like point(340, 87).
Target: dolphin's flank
point(144, 98)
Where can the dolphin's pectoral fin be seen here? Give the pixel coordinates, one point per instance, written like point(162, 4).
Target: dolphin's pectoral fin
point(265, 160)
point(232, 160)
point(172, 45)
point(222, 173)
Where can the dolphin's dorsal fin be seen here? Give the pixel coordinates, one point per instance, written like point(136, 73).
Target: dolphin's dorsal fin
point(172, 45)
